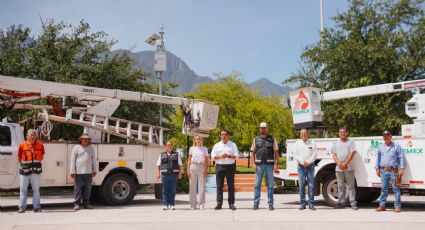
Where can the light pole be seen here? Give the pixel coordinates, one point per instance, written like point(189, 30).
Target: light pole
point(160, 58)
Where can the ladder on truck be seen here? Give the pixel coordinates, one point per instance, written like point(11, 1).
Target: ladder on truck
point(142, 134)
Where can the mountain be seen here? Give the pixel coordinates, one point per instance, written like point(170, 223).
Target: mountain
point(268, 88)
point(179, 72)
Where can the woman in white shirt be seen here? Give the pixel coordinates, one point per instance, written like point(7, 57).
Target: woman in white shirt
point(197, 172)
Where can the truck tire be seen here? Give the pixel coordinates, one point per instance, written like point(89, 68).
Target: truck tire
point(367, 195)
point(330, 191)
point(158, 191)
point(118, 189)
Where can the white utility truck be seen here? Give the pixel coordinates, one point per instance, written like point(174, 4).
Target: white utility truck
point(307, 113)
point(123, 168)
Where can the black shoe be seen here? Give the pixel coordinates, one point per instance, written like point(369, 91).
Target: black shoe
point(354, 207)
point(37, 210)
point(76, 207)
point(255, 207)
point(21, 210)
point(339, 206)
point(302, 207)
point(311, 207)
point(232, 206)
point(218, 207)
point(271, 208)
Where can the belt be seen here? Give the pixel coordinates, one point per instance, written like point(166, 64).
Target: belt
point(389, 168)
point(225, 165)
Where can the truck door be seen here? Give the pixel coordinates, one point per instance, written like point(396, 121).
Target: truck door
point(54, 165)
point(8, 156)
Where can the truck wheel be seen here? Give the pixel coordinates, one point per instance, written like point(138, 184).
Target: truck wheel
point(158, 191)
point(368, 195)
point(330, 191)
point(118, 189)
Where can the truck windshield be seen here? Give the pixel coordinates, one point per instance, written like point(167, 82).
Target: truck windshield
point(5, 136)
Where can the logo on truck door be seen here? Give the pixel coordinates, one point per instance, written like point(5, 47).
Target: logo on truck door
point(301, 104)
point(373, 148)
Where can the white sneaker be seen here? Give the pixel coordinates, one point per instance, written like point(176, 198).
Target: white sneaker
point(201, 207)
point(173, 208)
point(192, 208)
point(164, 207)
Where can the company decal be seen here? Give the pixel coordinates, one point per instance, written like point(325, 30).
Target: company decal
point(373, 148)
point(411, 149)
point(301, 104)
point(87, 90)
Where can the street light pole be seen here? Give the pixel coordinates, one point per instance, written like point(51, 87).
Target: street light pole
point(160, 48)
point(160, 57)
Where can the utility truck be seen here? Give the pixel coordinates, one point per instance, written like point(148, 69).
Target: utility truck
point(307, 113)
point(123, 168)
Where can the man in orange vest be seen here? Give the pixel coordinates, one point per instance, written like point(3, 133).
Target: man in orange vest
point(30, 155)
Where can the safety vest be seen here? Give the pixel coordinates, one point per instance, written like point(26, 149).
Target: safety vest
point(169, 163)
point(264, 153)
point(31, 159)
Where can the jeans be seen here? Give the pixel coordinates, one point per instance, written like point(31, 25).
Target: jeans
point(386, 178)
point(197, 183)
point(227, 171)
point(306, 177)
point(169, 183)
point(261, 169)
point(25, 180)
point(346, 178)
point(82, 188)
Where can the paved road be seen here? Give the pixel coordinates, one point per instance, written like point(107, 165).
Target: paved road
point(146, 213)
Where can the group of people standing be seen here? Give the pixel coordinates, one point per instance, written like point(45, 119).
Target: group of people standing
point(83, 167)
point(266, 157)
point(390, 166)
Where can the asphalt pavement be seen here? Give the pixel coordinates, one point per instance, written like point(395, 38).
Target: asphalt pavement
point(145, 212)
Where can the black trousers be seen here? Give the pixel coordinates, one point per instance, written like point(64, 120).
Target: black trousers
point(82, 188)
point(227, 171)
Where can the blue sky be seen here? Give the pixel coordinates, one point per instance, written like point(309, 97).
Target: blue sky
point(257, 38)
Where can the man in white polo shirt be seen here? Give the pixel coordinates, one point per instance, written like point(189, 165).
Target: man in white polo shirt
point(224, 153)
point(305, 155)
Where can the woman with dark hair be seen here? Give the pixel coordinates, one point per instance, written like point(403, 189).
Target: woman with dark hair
point(170, 169)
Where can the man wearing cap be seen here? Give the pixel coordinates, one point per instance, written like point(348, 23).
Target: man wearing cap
point(305, 155)
point(390, 164)
point(266, 156)
point(343, 152)
point(83, 167)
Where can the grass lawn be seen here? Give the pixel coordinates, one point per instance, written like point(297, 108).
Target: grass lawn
point(239, 169)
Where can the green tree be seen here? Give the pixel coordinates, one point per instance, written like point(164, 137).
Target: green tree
point(68, 54)
point(374, 42)
point(241, 111)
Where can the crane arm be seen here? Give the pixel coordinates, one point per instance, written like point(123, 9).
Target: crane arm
point(373, 90)
point(82, 93)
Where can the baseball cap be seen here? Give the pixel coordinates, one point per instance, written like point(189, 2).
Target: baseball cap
point(386, 133)
point(263, 125)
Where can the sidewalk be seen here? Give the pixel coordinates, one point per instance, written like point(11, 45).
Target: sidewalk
point(146, 213)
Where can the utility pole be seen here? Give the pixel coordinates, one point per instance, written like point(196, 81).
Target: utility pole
point(160, 58)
